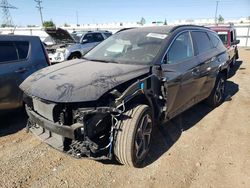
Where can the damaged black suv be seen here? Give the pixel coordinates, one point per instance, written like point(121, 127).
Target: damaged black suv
point(108, 103)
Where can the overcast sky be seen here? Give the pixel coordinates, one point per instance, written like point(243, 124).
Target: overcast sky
point(103, 11)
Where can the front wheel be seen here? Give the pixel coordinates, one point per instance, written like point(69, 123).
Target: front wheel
point(217, 95)
point(74, 56)
point(133, 137)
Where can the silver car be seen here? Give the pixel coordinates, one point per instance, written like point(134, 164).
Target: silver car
point(72, 46)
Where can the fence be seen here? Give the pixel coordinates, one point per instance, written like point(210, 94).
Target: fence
point(243, 32)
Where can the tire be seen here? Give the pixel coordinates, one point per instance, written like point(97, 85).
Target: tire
point(74, 56)
point(217, 95)
point(133, 137)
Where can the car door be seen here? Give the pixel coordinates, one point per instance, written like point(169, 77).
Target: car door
point(91, 40)
point(13, 69)
point(180, 71)
point(206, 55)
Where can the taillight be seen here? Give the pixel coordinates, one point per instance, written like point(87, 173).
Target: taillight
point(46, 55)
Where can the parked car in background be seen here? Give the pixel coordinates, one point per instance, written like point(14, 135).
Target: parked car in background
point(108, 103)
point(72, 46)
point(228, 36)
point(20, 56)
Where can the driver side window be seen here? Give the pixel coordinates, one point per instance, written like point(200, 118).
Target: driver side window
point(88, 38)
point(180, 49)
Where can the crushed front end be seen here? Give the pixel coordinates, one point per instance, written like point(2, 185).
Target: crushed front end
point(72, 128)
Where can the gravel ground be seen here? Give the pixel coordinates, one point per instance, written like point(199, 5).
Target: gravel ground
point(213, 150)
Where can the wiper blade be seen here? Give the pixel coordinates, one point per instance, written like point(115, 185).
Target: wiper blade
point(104, 61)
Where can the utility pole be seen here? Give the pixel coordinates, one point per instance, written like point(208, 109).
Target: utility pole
point(7, 20)
point(216, 10)
point(39, 7)
point(77, 18)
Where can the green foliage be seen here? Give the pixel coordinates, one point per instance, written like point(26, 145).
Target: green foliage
point(5, 25)
point(66, 25)
point(220, 19)
point(143, 21)
point(49, 24)
point(165, 22)
point(31, 25)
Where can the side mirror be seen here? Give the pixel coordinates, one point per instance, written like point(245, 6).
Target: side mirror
point(235, 42)
point(84, 41)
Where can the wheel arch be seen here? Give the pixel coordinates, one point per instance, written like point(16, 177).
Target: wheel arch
point(79, 54)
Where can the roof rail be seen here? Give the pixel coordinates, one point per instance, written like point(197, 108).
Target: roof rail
point(125, 29)
point(189, 25)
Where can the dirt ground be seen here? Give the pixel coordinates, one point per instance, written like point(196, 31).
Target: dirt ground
point(213, 150)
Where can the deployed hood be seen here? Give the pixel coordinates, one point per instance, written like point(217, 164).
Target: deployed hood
point(79, 80)
point(60, 35)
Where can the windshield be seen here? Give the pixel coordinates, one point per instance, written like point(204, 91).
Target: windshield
point(77, 35)
point(128, 47)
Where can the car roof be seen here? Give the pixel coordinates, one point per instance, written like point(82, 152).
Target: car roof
point(18, 37)
point(165, 29)
point(221, 28)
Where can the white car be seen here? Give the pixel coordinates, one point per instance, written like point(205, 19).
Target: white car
point(71, 46)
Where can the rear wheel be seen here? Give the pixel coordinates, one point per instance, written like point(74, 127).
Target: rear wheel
point(217, 95)
point(133, 136)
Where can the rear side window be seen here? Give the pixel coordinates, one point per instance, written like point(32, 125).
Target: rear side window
point(98, 37)
point(8, 51)
point(23, 49)
point(13, 50)
point(107, 34)
point(216, 41)
point(202, 41)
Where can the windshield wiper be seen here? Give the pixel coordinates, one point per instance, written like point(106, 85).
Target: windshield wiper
point(104, 61)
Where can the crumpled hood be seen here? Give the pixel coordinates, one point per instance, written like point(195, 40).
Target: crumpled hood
point(79, 80)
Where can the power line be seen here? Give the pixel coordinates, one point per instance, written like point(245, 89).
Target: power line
point(39, 7)
point(7, 19)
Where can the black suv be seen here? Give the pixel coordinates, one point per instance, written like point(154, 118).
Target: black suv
point(108, 103)
point(20, 56)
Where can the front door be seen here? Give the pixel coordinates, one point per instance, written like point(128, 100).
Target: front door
point(181, 74)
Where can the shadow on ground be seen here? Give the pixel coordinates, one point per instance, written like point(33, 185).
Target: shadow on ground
point(12, 122)
point(234, 69)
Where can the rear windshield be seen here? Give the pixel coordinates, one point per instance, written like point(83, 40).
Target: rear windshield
point(13, 50)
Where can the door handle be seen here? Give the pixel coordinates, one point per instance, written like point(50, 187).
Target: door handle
point(21, 70)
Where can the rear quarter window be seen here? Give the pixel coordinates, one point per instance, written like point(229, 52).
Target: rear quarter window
point(202, 41)
point(13, 50)
point(23, 49)
point(216, 41)
point(8, 51)
point(107, 34)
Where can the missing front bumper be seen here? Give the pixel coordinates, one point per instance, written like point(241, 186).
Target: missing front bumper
point(66, 138)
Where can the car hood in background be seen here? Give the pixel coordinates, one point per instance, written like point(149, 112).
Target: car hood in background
point(60, 35)
point(79, 80)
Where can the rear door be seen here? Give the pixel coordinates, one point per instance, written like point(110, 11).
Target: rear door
point(14, 67)
point(206, 55)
